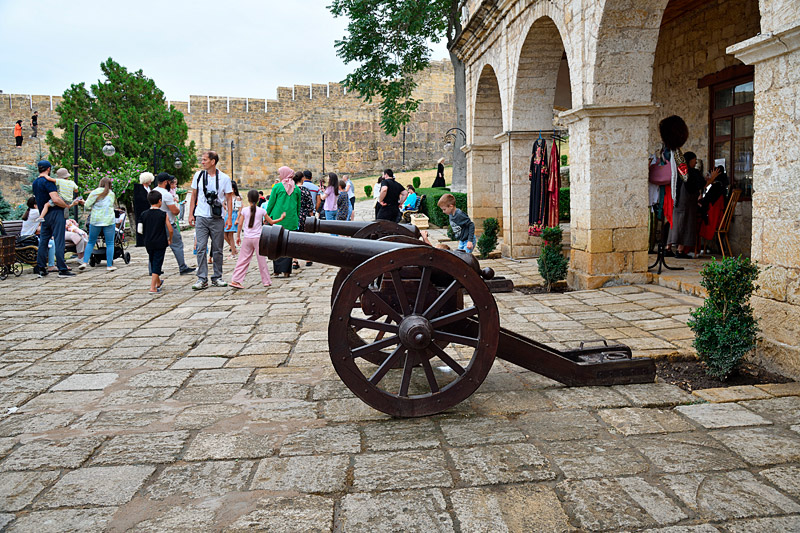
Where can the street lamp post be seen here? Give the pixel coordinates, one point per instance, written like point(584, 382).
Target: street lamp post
point(78, 139)
point(158, 157)
point(231, 159)
point(450, 136)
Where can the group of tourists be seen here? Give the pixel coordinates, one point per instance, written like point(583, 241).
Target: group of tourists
point(34, 129)
point(216, 211)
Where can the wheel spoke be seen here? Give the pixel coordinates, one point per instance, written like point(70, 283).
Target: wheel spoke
point(375, 346)
point(455, 316)
point(406, 381)
point(387, 365)
point(441, 354)
point(424, 282)
point(426, 366)
point(458, 339)
point(442, 299)
point(361, 323)
point(402, 298)
point(386, 308)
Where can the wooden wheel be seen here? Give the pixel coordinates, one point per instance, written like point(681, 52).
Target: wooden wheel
point(17, 269)
point(420, 297)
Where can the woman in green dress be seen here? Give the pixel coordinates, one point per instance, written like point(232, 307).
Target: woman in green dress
point(285, 198)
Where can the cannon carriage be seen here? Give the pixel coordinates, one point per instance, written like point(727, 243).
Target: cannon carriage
point(414, 330)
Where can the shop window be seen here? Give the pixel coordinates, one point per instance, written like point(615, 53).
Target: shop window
point(732, 130)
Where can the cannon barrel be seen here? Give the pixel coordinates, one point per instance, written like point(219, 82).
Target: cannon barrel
point(342, 252)
point(345, 227)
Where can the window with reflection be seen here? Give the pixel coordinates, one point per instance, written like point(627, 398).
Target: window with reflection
point(732, 130)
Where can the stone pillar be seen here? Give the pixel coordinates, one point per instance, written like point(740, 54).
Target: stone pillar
point(608, 193)
point(485, 189)
point(776, 200)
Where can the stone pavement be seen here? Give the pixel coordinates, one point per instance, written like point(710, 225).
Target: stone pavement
point(220, 411)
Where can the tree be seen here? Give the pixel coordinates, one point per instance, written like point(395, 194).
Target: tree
point(389, 39)
point(552, 263)
point(136, 110)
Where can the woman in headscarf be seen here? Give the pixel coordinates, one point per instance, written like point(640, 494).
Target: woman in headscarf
point(285, 198)
point(101, 220)
point(140, 203)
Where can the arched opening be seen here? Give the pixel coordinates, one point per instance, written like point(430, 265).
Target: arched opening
point(484, 157)
point(695, 78)
point(541, 89)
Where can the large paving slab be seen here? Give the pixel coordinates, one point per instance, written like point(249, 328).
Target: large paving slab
point(221, 411)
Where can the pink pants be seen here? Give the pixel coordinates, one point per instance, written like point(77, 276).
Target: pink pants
point(250, 247)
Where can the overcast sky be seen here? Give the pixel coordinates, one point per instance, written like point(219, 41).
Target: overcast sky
point(244, 48)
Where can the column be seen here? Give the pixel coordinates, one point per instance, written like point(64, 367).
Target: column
point(776, 200)
point(608, 193)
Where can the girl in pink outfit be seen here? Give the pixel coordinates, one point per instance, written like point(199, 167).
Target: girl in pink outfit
point(251, 219)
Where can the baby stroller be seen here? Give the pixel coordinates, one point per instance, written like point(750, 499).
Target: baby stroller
point(98, 255)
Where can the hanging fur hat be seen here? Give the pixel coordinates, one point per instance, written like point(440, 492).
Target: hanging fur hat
point(674, 132)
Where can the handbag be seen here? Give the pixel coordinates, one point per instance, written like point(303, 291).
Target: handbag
point(660, 174)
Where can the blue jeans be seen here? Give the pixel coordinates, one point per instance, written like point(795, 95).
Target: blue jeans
point(94, 232)
point(55, 226)
point(462, 246)
point(330, 215)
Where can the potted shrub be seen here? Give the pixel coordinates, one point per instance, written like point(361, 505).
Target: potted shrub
point(488, 241)
point(552, 263)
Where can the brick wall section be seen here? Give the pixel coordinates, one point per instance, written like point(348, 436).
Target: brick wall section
point(288, 130)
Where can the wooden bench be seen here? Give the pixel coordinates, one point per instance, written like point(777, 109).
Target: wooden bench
point(26, 254)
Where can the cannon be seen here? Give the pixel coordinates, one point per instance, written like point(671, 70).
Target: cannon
point(414, 330)
point(361, 230)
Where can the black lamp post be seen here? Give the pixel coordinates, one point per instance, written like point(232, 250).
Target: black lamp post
point(450, 136)
point(78, 139)
point(232, 160)
point(158, 156)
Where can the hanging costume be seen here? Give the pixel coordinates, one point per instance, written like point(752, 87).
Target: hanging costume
point(553, 187)
point(537, 207)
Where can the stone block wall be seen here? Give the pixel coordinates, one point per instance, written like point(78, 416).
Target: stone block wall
point(689, 48)
point(288, 131)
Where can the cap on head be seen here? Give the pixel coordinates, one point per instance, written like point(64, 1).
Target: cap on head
point(163, 176)
point(43, 165)
point(62, 173)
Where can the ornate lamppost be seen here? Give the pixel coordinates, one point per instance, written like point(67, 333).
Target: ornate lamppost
point(158, 156)
point(78, 140)
point(450, 136)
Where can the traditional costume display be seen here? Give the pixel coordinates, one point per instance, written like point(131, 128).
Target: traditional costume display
point(553, 186)
point(538, 176)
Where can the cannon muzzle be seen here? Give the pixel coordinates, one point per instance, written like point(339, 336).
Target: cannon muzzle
point(351, 227)
point(342, 252)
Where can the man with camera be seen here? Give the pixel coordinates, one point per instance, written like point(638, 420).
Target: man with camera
point(210, 189)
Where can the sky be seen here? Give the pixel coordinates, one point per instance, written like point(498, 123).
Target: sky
point(241, 48)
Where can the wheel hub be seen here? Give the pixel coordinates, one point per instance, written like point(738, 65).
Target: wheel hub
point(416, 332)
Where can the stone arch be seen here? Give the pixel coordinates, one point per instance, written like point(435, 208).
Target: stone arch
point(621, 71)
point(540, 59)
point(488, 109)
point(484, 168)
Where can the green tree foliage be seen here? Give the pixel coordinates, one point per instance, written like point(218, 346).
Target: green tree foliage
point(488, 240)
point(552, 263)
point(389, 41)
point(6, 209)
point(136, 110)
point(724, 326)
point(416, 181)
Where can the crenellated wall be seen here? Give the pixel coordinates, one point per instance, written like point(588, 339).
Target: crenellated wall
point(287, 131)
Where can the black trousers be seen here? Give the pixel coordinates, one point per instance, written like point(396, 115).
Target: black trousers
point(283, 264)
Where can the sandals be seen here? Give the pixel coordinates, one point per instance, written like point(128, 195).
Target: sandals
point(236, 285)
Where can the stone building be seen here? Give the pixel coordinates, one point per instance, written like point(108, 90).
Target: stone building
point(286, 131)
point(731, 68)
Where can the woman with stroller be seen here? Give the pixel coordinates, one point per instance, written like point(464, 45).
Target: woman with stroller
point(101, 219)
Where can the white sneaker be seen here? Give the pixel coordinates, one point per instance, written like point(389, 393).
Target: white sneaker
point(111, 269)
point(82, 266)
point(218, 283)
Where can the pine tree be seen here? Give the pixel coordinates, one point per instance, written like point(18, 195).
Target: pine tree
point(136, 110)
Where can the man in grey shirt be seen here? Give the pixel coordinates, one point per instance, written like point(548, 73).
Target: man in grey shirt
point(169, 206)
